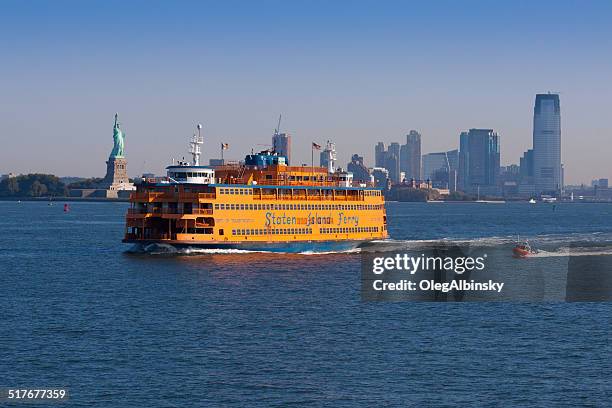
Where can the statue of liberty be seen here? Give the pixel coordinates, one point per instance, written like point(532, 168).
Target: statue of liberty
point(118, 139)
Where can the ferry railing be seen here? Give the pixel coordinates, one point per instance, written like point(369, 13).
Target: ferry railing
point(195, 196)
point(146, 195)
point(195, 211)
point(156, 210)
point(152, 195)
point(204, 211)
point(308, 198)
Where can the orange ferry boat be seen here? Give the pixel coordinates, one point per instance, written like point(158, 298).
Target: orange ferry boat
point(260, 204)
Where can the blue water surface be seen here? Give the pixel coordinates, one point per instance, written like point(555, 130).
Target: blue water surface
point(259, 330)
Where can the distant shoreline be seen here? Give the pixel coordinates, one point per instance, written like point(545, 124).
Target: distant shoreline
point(65, 199)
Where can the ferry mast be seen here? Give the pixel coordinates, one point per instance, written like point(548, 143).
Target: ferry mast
point(197, 140)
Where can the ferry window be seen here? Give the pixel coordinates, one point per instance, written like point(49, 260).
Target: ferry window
point(220, 231)
point(216, 206)
point(242, 206)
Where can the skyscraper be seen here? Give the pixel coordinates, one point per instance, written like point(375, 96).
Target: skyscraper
point(281, 143)
point(479, 161)
point(547, 143)
point(432, 163)
point(392, 162)
point(360, 172)
point(463, 173)
point(379, 154)
point(410, 156)
point(526, 167)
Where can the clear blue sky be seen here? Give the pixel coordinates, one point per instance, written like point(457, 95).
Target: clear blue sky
point(353, 72)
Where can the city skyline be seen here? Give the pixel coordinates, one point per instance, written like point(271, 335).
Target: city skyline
point(363, 75)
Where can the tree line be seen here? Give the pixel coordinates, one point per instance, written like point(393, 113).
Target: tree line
point(42, 185)
point(33, 185)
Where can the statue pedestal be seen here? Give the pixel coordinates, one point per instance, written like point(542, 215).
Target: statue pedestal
point(116, 175)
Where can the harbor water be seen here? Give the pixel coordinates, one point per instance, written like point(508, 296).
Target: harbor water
point(195, 328)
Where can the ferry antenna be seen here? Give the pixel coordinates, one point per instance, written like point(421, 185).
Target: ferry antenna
point(194, 145)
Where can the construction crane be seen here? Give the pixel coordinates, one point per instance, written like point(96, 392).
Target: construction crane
point(277, 130)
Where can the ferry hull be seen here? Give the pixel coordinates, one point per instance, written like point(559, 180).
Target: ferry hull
point(277, 247)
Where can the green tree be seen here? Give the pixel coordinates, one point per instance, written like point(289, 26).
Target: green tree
point(38, 189)
point(32, 185)
point(13, 185)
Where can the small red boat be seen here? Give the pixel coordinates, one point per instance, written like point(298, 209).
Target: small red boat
point(523, 250)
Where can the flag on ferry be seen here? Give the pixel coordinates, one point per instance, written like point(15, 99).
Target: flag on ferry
point(316, 146)
point(224, 146)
